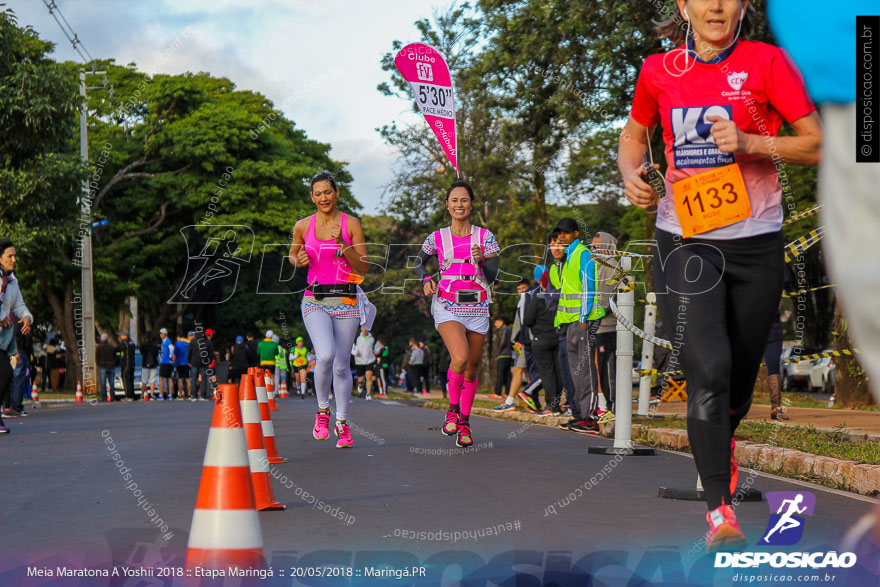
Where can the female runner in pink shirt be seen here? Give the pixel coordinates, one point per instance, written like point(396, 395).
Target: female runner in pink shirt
point(331, 244)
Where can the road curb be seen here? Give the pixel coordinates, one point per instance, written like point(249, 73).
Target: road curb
point(855, 477)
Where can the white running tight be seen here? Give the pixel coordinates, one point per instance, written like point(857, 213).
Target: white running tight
point(332, 339)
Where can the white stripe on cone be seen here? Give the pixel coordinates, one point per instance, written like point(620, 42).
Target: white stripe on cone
point(210, 529)
point(268, 428)
point(259, 460)
point(250, 411)
point(226, 448)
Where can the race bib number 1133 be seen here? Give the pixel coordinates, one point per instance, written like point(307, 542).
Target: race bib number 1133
point(711, 200)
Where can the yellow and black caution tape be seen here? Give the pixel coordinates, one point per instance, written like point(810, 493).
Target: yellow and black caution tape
point(620, 275)
point(655, 340)
point(843, 353)
point(655, 372)
point(801, 215)
point(616, 253)
point(799, 245)
point(800, 292)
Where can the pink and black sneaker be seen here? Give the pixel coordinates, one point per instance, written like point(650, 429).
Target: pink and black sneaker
point(321, 431)
point(450, 427)
point(464, 435)
point(344, 433)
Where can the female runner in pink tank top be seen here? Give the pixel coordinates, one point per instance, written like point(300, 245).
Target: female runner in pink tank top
point(331, 244)
point(461, 301)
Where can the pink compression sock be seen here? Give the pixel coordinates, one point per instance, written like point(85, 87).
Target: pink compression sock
point(468, 393)
point(455, 382)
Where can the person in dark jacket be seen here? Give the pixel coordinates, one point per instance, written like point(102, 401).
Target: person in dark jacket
point(539, 315)
point(503, 359)
point(200, 357)
point(127, 349)
point(253, 355)
point(426, 366)
point(105, 356)
point(239, 361)
point(149, 365)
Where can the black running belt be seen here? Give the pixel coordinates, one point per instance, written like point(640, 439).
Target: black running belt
point(332, 290)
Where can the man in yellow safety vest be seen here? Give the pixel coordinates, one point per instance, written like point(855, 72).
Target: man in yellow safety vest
point(578, 316)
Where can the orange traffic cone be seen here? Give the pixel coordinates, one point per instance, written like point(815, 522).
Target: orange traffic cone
point(266, 417)
point(78, 398)
point(282, 391)
point(146, 393)
point(270, 390)
point(225, 528)
point(259, 460)
point(35, 396)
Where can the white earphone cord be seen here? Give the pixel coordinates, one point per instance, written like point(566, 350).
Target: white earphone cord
point(687, 51)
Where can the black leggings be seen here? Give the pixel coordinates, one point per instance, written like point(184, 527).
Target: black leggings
point(605, 360)
point(6, 374)
point(720, 302)
point(545, 350)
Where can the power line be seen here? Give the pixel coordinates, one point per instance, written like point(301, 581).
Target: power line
point(68, 31)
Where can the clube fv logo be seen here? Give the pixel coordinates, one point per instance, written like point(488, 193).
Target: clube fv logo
point(789, 511)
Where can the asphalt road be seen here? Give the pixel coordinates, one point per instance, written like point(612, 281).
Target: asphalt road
point(398, 497)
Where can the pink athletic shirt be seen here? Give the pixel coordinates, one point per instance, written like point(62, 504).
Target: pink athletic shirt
point(324, 265)
point(754, 84)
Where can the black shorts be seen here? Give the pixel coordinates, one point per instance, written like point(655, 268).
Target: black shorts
point(165, 370)
point(182, 371)
point(362, 369)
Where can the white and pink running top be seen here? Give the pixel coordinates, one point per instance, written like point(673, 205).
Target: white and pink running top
point(456, 263)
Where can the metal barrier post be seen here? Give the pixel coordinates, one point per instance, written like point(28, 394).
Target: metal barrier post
point(624, 392)
point(647, 354)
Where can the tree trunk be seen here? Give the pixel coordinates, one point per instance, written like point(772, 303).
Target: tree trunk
point(850, 380)
point(63, 311)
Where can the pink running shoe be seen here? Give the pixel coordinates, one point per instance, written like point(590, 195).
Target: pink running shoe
point(344, 434)
point(724, 531)
point(322, 426)
point(450, 428)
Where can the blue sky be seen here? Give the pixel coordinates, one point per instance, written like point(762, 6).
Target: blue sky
point(327, 50)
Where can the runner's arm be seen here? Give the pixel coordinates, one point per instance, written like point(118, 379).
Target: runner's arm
point(630, 160)
point(298, 246)
point(356, 254)
point(804, 149)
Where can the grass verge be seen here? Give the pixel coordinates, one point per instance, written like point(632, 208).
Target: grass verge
point(828, 443)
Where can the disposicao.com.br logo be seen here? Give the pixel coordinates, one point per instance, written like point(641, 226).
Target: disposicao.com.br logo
point(786, 528)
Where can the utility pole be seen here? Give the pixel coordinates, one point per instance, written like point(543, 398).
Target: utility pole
point(89, 368)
